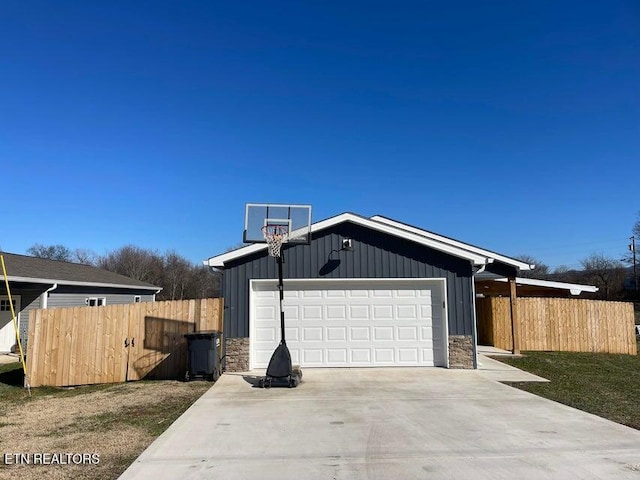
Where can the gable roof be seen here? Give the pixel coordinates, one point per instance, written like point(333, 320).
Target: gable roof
point(472, 248)
point(22, 268)
point(475, 255)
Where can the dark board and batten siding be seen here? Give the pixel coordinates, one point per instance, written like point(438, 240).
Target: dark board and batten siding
point(375, 255)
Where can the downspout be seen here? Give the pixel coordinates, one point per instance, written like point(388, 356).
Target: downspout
point(44, 297)
point(154, 295)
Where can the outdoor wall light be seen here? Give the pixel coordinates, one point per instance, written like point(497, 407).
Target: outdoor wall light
point(347, 245)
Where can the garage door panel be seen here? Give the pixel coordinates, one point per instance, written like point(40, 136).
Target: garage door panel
point(344, 323)
point(312, 334)
point(336, 334)
point(407, 293)
point(406, 312)
point(408, 333)
point(265, 334)
point(336, 356)
point(427, 355)
point(426, 334)
point(291, 312)
point(312, 312)
point(383, 312)
point(382, 333)
point(360, 356)
point(311, 293)
point(335, 294)
point(312, 357)
point(382, 293)
point(336, 312)
point(359, 312)
point(383, 356)
point(360, 334)
point(357, 294)
point(293, 334)
point(267, 312)
point(408, 355)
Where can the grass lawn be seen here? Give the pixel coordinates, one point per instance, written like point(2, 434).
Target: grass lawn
point(606, 385)
point(116, 421)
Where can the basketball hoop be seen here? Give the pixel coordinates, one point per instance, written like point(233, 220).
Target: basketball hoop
point(275, 235)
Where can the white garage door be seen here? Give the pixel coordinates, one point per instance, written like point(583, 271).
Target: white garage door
point(351, 323)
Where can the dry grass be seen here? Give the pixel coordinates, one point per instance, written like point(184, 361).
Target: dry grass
point(117, 422)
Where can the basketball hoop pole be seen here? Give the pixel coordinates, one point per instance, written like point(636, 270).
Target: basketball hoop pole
point(281, 288)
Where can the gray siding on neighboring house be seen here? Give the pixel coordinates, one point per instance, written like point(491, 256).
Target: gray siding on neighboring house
point(68, 296)
point(375, 255)
point(29, 301)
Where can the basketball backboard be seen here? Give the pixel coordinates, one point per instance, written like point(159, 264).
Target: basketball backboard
point(297, 219)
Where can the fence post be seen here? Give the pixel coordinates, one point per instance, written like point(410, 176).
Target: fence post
point(515, 321)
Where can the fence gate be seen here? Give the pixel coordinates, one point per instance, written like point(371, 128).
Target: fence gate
point(115, 343)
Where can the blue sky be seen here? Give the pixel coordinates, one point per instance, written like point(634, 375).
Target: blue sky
point(511, 125)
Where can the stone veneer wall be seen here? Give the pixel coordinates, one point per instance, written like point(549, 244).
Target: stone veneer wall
point(460, 351)
point(237, 357)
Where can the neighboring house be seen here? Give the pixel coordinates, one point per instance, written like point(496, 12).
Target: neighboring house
point(402, 297)
point(42, 283)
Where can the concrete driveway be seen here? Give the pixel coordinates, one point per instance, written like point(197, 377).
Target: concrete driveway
point(400, 423)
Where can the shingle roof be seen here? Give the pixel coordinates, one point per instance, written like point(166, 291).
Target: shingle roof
point(25, 268)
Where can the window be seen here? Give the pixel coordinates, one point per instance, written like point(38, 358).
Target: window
point(137, 299)
point(5, 307)
point(96, 301)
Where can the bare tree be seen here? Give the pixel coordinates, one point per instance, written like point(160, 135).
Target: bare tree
point(84, 256)
point(176, 276)
point(52, 252)
point(606, 273)
point(134, 262)
point(541, 271)
point(204, 283)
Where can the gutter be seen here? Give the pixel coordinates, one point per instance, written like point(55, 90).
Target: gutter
point(77, 283)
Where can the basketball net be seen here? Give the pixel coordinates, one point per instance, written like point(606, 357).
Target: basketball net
point(275, 235)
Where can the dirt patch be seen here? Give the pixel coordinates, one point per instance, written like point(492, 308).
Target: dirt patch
point(116, 423)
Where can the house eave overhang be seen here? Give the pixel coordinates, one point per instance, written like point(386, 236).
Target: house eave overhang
point(50, 281)
point(573, 288)
point(520, 265)
point(477, 259)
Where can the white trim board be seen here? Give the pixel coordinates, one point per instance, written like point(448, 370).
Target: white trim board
point(455, 248)
point(574, 288)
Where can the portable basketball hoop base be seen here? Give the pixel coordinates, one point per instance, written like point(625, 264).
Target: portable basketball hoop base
point(280, 371)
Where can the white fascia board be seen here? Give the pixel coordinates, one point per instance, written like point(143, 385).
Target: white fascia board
point(480, 251)
point(574, 288)
point(51, 281)
point(477, 259)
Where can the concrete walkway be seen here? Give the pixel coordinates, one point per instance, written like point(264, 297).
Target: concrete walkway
point(399, 423)
point(501, 372)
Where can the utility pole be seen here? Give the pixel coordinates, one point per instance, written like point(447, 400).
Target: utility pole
point(632, 247)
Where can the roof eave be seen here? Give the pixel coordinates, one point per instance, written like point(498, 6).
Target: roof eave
point(51, 281)
point(220, 260)
point(471, 248)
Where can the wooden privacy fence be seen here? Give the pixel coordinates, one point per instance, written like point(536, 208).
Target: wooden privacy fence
point(558, 324)
point(115, 343)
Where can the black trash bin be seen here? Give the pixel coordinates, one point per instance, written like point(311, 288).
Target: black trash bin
point(204, 359)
